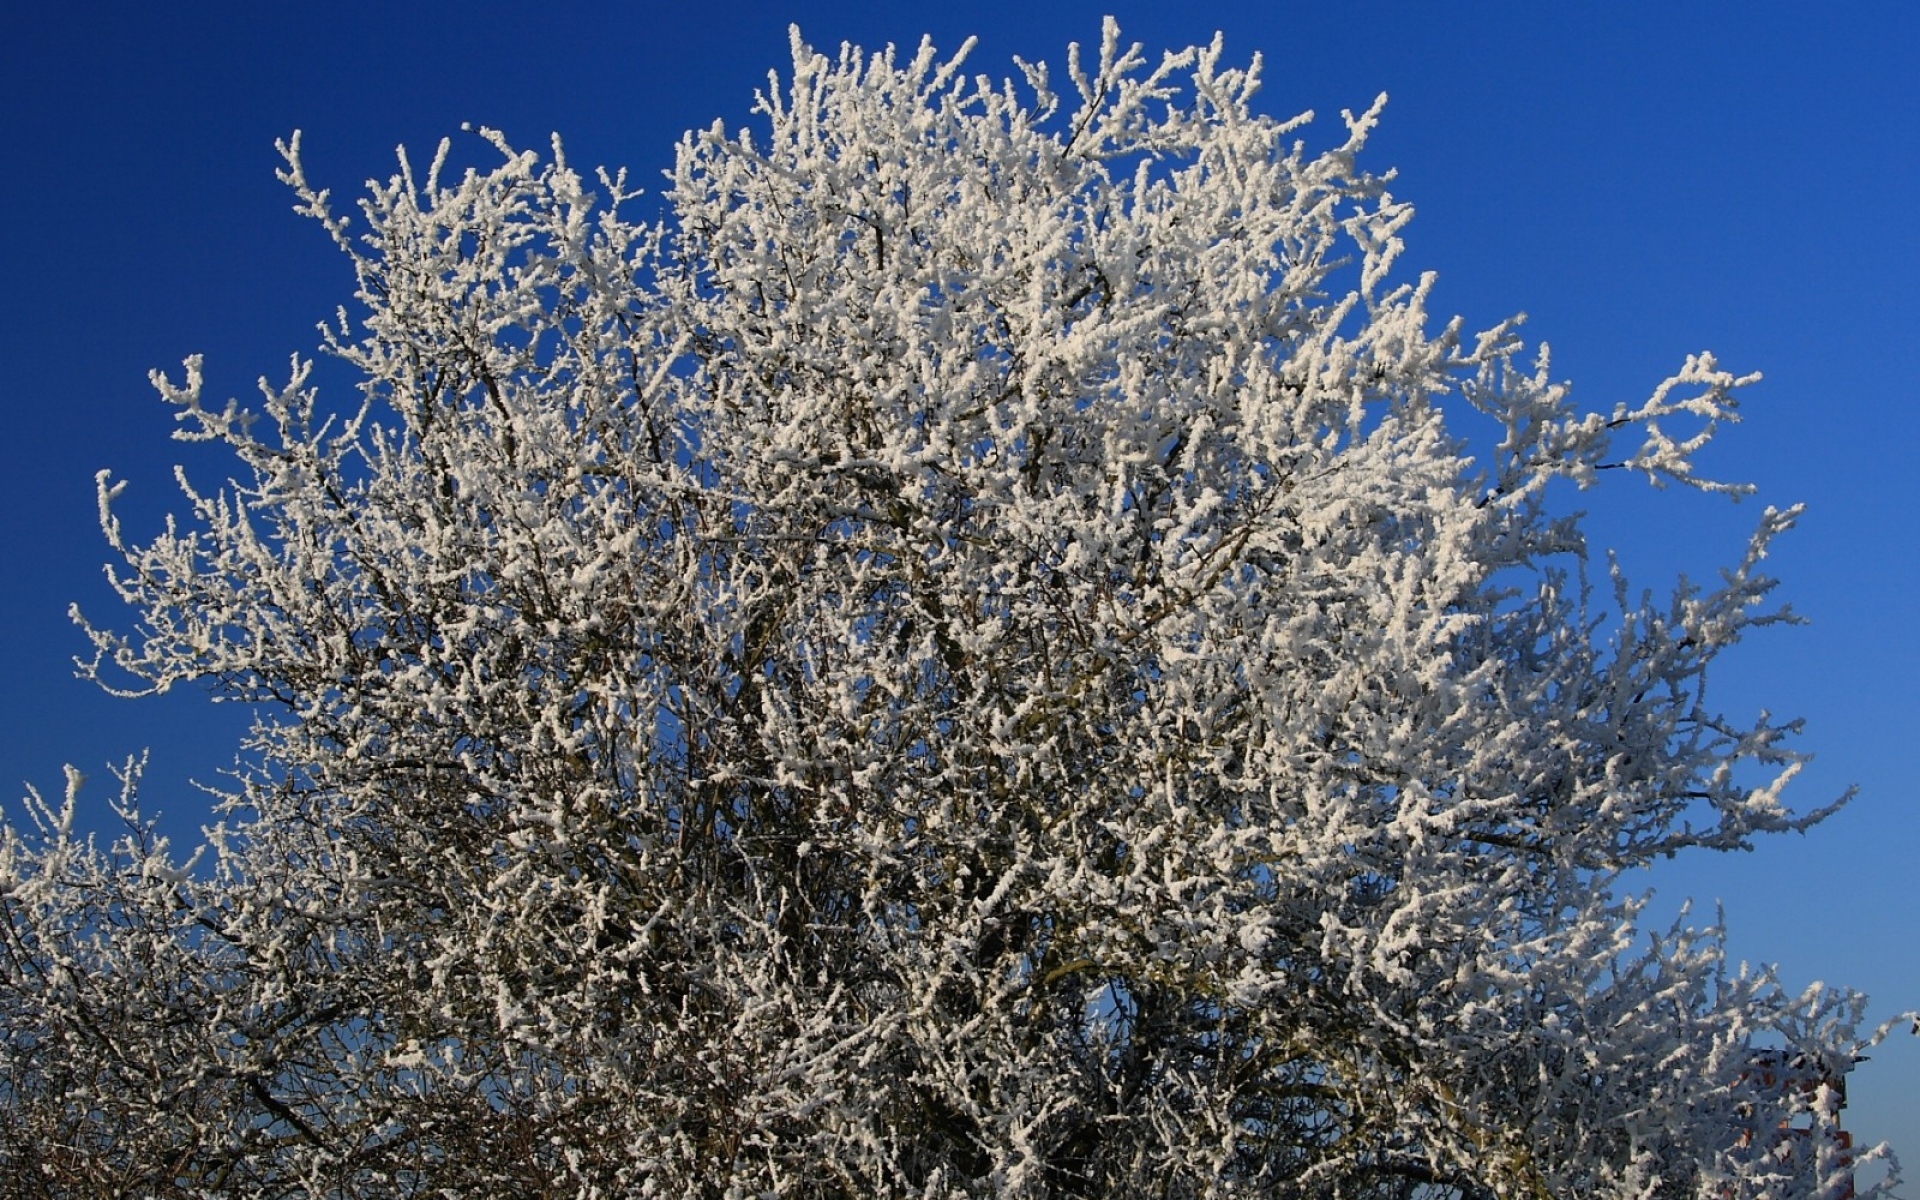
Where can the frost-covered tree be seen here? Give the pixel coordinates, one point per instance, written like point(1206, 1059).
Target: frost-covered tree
point(972, 658)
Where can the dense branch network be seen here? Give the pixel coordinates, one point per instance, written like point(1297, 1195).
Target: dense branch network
point(969, 659)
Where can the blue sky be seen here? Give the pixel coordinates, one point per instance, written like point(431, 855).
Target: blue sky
point(1644, 180)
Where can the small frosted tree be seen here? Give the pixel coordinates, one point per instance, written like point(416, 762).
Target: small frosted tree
point(971, 658)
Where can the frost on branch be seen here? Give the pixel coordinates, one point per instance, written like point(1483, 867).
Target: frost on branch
point(968, 659)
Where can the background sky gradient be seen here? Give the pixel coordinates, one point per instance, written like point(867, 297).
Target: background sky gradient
point(1644, 180)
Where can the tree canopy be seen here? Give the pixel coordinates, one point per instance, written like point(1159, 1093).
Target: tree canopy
point(995, 648)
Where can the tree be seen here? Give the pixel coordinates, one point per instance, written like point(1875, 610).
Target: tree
point(971, 658)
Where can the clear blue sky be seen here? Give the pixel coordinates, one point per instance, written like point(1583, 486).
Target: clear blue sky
point(1645, 180)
